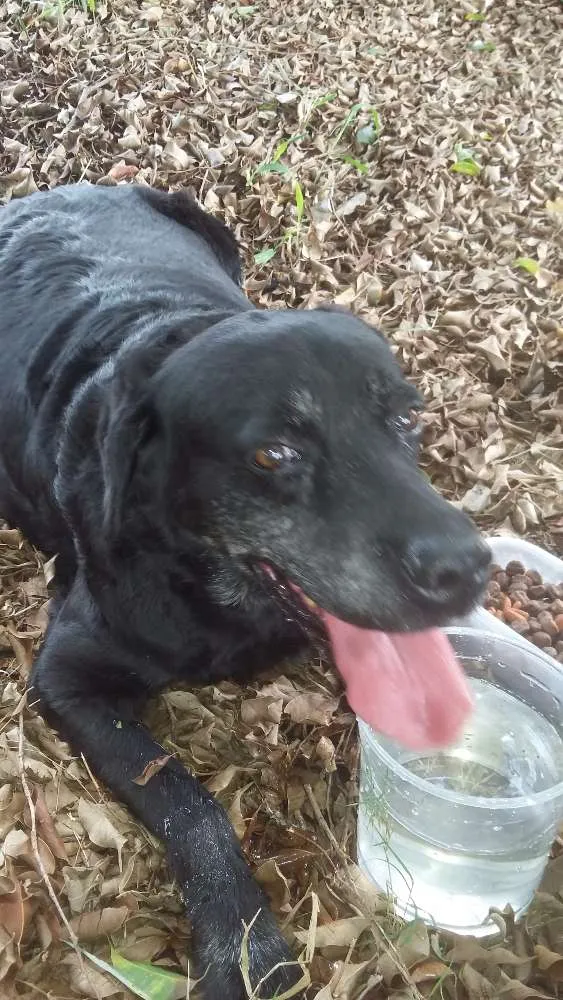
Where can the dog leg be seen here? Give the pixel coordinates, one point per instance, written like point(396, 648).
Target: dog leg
point(217, 887)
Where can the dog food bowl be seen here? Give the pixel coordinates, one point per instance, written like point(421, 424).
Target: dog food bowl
point(504, 550)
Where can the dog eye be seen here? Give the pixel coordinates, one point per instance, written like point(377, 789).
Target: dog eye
point(275, 455)
point(407, 423)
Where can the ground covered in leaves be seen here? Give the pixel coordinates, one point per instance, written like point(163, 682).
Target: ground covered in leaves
point(402, 159)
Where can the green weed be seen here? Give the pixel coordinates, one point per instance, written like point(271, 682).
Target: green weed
point(465, 162)
point(310, 125)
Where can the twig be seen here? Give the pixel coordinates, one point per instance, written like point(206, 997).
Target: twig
point(35, 844)
point(91, 776)
point(72, 938)
point(322, 821)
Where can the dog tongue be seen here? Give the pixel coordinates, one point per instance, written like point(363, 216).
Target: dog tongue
point(408, 686)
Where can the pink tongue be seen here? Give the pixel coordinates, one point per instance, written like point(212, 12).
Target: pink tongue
point(408, 686)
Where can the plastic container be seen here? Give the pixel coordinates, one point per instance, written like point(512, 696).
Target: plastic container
point(532, 556)
point(452, 833)
point(505, 549)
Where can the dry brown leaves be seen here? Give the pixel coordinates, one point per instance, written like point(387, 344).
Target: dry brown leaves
point(363, 208)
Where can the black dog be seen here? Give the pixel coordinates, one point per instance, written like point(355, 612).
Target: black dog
point(218, 483)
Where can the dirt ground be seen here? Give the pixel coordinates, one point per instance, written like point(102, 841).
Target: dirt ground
point(403, 159)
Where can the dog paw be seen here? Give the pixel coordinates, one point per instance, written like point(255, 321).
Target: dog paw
point(241, 958)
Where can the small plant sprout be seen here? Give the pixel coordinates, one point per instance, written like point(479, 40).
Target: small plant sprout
point(465, 161)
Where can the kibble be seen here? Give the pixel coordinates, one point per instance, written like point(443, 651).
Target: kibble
point(521, 599)
point(547, 622)
point(515, 568)
point(541, 639)
point(522, 627)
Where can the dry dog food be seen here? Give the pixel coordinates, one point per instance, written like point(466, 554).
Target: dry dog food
point(520, 598)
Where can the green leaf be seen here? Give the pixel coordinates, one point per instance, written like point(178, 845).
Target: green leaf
point(350, 117)
point(476, 16)
point(280, 149)
point(149, 982)
point(480, 46)
point(527, 264)
point(469, 167)
point(273, 167)
point(361, 167)
point(285, 144)
point(263, 256)
point(323, 99)
point(290, 234)
point(299, 200)
point(465, 162)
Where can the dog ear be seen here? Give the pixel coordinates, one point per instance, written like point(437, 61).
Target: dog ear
point(124, 427)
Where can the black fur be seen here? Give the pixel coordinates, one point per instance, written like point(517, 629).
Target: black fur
point(137, 384)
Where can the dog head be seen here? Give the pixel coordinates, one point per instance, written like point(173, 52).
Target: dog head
point(290, 439)
point(287, 442)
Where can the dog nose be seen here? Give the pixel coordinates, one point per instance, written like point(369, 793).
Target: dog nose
point(443, 570)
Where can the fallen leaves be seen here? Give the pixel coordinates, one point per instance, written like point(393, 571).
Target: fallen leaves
point(99, 827)
point(550, 963)
point(273, 881)
point(312, 707)
point(153, 767)
point(46, 828)
point(261, 709)
point(411, 947)
point(339, 933)
point(14, 908)
point(17, 844)
point(438, 218)
point(99, 923)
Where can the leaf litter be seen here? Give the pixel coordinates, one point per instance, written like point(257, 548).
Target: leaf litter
point(405, 161)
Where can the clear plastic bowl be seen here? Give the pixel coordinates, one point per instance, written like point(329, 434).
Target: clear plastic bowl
point(454, 832)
